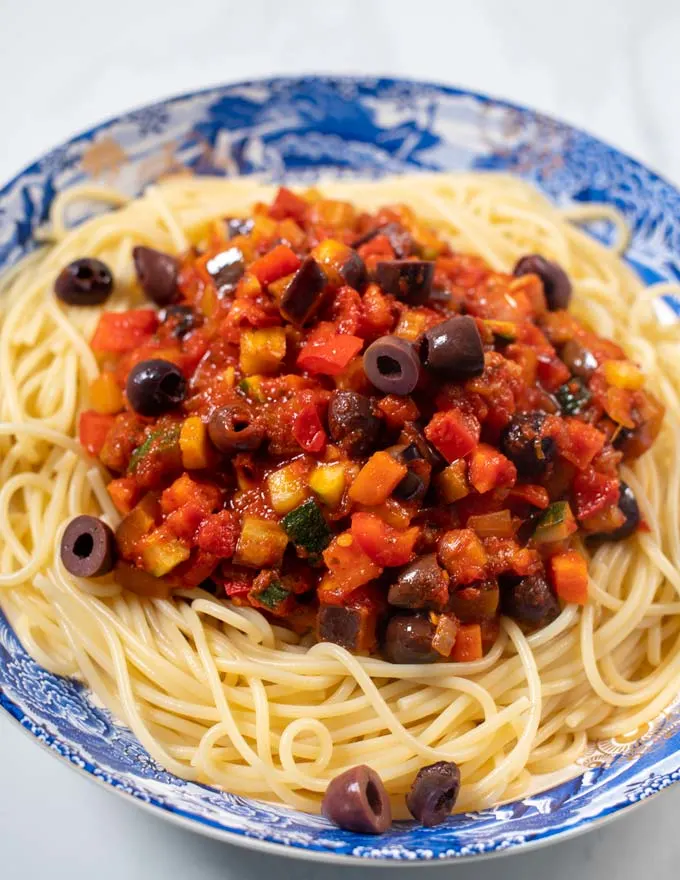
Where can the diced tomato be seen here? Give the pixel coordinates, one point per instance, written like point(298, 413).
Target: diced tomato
point(329, 357)
point(184, 521)
point(236, 581)
point(385, 545)
point(92, 430)
point(120, 332)
point(199, 566)
point(505, 555)
point(468, 645)
point(308, 430)
point(594, 492)
point(454, 433)
point(218, 534)
point(490, 469)
point(398, 410)
point(378, 246)
point(287, 204)
point(377, 314)
point(184, 490)
point(277, 263)
point(125, 493)
point(579, 442)
point(527, 493)
point(569, 576)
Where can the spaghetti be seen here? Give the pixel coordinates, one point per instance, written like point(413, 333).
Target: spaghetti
point(221, 694)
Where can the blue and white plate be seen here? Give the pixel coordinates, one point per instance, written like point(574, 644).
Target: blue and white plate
point(299, 128)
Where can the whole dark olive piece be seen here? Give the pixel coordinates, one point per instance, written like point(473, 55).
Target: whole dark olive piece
point(530, 600)
point(629, 508)
point(556, 283)
point(352, 422)
point(392, 365)
point(454, 348)
point(522, 441)
point(232, 428)
point(408, 639)
point(356, 800)
point(407, 280)
point(84, 282)
point(155, 387)
point(422, 584)
point(88, 547)
point(157, 274)
point(434, 793)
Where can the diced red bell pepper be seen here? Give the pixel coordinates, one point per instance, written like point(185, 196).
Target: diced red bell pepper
point(551, 372)
point(490, 469)
point(237, 582)
point(398, 410)
point(348, 568)
point(569, 576)
point(279, 262)
point(579, 442)
point(308, 429)
point(287, 204)
point(331, 356)
point(120, 332)
point(528, 493)
point(594, 492)
point(468, 645)
point(199, 566)
point(454, 433)
point(92, 430)
point(382, 543)
point(378, 246)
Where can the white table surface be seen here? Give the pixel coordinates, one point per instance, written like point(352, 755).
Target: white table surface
point(611, 66)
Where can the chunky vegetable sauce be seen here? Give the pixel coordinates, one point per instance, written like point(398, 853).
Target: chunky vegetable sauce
point(338, 420)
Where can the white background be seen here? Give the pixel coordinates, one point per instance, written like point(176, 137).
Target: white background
point(611, 66)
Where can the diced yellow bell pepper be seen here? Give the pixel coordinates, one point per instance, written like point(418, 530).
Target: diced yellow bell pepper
point(261, 543)
point(105, 395)
point(623, 374)
point(411, 325)
point(262, 350)
point(327, 481)
point(452, 482)
point(160, 553)
point(287, 487)
point(251, 386)
point(193, 442)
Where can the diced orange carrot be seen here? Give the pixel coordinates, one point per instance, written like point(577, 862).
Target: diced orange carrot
point(468, 645)
point(569, 575)
point(377, 479)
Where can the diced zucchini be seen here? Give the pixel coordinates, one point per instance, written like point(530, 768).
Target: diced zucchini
point(556, 524)
point(261, 543)
point(503, 331)
point(160, 553)
point(287, 488)
point(573, 396)
point(327, 481)
point(262, 350)
point(251, 386)
point(307, 528)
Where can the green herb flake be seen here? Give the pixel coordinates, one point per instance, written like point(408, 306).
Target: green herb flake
point(573, 396)
point(273, 595)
